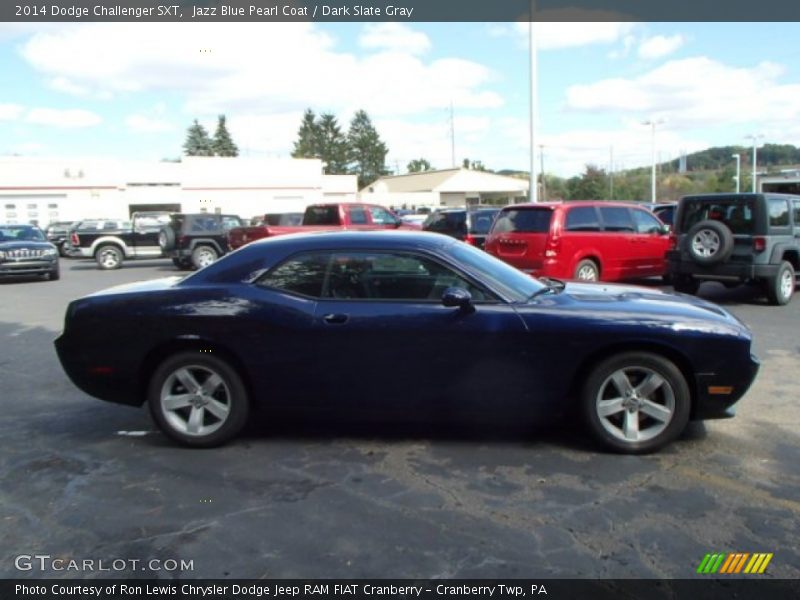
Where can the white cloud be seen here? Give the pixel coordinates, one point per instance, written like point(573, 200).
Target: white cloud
point(147, 124)
point(10, 112)
point(560, 35)
point(395, 37)
point(695, 92)
point(66, 119)
point(659, 46)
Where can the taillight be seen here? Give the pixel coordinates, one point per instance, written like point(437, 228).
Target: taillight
point(470, 240)
point(181, 240)
point(759, 244)
point(673, 241)
point(553, 246)
point(73, 239)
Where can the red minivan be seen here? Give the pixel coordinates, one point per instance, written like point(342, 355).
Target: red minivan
point(589, 240)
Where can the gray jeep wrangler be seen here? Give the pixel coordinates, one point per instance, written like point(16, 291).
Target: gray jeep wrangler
point(737, 238)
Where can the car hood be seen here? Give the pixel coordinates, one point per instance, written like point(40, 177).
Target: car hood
point(631, 303)
point(153, 285)
point(25, 245)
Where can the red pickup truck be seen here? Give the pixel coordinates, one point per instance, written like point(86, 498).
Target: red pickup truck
point(323, 217)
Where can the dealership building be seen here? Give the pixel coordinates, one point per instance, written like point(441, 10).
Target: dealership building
point(43, 190)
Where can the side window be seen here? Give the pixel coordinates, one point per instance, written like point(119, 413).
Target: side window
point(393, 276)
point(797, 213)
point(302, 275)
point(229, 223)
point(582, 218)
point(778, 213)
point(436, 222)
point(617, 219)
point(645, 222)
point(381, 216)
point(358, 216)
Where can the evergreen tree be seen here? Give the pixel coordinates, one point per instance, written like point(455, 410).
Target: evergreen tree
point(308, 137)
point(418, 165)
point(367, 151)
point(332, 145)
point(197, 141)
point(223, 145)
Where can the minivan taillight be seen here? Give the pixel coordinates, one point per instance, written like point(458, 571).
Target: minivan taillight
point(673, 241)
point(553, 246)
point(469, 239)
point(73, 239)
point(759, 244)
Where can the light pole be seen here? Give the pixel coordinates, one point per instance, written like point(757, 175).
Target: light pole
point(533, 100)
point(738, 158)
point(653, 123)
point(755, 137)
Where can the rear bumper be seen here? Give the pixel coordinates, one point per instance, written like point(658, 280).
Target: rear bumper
point(728, 271)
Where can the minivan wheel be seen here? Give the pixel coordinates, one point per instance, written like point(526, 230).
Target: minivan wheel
point(780, 288)
point(198, 400)
point(636, 402)
point(587, 270)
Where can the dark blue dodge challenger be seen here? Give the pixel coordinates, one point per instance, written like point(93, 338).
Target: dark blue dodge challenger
point(415, 324)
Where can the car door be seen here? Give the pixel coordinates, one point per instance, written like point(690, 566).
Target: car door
point(621, 246)
point(389, 344)
point(652, 245)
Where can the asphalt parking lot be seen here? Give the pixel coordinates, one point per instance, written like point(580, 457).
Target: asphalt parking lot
point(83, 479)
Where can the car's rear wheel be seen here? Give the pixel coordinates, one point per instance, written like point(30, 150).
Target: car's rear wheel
point(198, 400)
point(587, 270)
point(202, 256)
point(109, 257)
point(780, 288)
point(636, 402)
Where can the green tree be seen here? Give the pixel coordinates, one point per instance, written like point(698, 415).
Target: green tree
point(222, 144)
point(418, 165)
point(307, 144)
point(332, 145)
point(591, 185)
point(197, 141)
point(367, 152)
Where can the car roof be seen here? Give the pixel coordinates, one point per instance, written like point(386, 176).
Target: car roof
point(358, 239)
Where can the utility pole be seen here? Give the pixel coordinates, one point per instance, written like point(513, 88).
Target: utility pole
point(738, 158)
point(755, 137)
point(611, 172)
point(452, 136)
point(653, 123)
point(541, 172)
point(533, 101)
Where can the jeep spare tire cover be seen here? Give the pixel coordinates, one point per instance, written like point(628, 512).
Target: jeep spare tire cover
point(709, 242)
point(166, 238)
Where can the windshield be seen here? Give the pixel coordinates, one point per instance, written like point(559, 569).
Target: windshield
point(20, 233)
point(510, 282)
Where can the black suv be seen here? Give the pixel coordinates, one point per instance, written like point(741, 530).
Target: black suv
point(196, 240)
point(469, 225)
point(737, 238)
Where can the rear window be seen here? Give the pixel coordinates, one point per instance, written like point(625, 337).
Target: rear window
point(523, 220)
point(480, 221)
point(322, 215)
point(737, 214)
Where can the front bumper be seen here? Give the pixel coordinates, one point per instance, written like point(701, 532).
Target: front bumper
point(717, 393)
point(12, 268)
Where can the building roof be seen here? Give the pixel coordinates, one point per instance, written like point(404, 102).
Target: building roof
point(447, 180)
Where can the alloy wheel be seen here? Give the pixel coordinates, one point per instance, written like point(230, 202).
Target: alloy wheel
point(196, 400)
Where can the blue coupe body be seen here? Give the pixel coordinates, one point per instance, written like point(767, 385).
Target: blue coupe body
point(356, 321)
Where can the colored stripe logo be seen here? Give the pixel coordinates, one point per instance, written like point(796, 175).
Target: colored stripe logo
point(732, 563)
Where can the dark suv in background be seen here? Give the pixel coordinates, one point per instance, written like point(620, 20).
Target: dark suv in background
point(470, 225)
point(196, 240)
point(737, 238)
point(57, 234)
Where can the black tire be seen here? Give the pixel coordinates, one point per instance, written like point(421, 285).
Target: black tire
point(109, 256)
point(641, 423)
point(686, 285)
point(780, 288)
point(184, 264)
point(55, 274)
point(166, 238)
point(584, 268)
point(229, 394)
point(204, 255)
point(709, 242)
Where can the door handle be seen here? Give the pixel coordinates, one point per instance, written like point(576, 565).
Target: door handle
point(335, 319)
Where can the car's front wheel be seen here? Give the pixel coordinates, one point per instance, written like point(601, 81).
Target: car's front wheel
point(780, 288)
point(198, 400)
point(636, 402)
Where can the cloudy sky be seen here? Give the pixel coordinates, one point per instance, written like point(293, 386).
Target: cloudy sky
point(114, 89)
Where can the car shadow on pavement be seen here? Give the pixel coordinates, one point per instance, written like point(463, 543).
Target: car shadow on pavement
point(90, 265)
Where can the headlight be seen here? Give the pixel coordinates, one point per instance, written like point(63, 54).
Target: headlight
point(50, 252)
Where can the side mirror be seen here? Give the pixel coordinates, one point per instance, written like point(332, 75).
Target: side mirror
point(457, 297)
point(666, 229)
